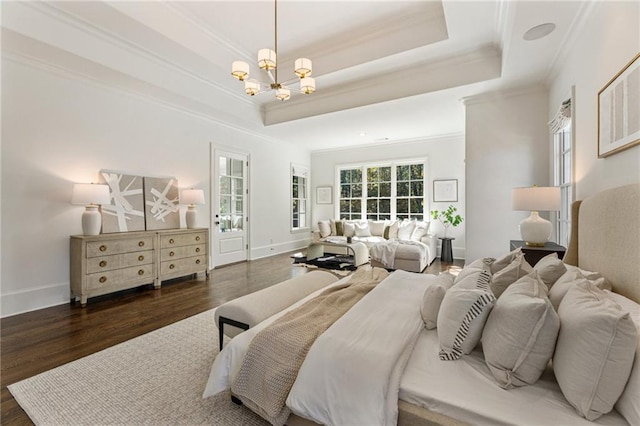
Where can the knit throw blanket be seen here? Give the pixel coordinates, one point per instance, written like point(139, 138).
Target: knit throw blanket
point(275, 355)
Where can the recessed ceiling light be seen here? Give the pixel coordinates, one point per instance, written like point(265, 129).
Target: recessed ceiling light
point(363, 134)
point(539, 31)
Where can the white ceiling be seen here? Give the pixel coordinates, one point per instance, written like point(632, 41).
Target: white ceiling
point(393, 70)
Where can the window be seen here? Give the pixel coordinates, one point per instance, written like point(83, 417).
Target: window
point(299, 197)
point(563, 170)
point(382, 191)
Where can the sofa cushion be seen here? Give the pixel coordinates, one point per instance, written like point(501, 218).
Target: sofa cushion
point(349, 229)
point(393, 230)
point(432, 299)
point(520, 334)
point(332, 224)
point(595, 349)
point(339, 228)
point(376, 227)
point(549, 269)
point(362, 230)
point(419, 231)
point(324, 227)
point(405, 228)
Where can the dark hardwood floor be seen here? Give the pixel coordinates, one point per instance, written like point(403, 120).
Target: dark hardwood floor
point(38, 341)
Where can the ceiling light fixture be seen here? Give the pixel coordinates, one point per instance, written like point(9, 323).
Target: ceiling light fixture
point(267, 61)
point(539, 31)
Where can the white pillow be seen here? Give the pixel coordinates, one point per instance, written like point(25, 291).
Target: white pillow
point(463, 312)
point(332, 224)
point(505, 260)
point(376, 227)
point(349, 229)
point(405, 228)
point(629, 402)
point(324, 227)
point(595, 350)
point(432, 299)
point(550, 268)
point(362, 230)
point(569, 279)
point(520, 334)
point(419, 231)
point(508, 275)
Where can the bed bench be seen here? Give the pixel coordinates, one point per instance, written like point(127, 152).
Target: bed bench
point(244, 312)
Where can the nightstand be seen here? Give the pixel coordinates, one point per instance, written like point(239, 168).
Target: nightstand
point(534, 254)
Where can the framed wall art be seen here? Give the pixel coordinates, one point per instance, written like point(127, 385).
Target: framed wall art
point(445, 190)
point(126, 211)
point(161, 203)
point(619, 111)
point(324, 195)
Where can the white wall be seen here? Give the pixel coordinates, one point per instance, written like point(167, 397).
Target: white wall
point(608, 41)
point(506, 147)
point(445, 160)
point(58, 130)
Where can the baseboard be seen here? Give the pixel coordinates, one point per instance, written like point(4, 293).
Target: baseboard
point(458, 253)
point(34, 299)
point(279, 248)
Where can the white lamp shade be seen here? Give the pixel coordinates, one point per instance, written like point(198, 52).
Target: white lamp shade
point(308, 85)
point(192, 196)
point(283, 94)
point(252, 87)
point(89, 193)
point(302, 67)
point(536, 198)
point(240, 70)
point(266, 59)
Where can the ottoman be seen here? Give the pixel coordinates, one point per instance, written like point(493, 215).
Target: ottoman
point(244, 312)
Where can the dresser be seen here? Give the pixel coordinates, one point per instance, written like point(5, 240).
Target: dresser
point(102, 264)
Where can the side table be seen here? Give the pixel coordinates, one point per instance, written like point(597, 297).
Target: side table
point(534, 254)
point(446, 252)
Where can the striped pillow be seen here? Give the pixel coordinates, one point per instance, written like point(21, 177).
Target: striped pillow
point(463, 312)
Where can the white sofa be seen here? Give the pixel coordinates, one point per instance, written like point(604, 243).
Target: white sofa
point(408, 243)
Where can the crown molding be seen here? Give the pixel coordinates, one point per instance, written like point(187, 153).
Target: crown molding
point(394, 143)
point(494, 95)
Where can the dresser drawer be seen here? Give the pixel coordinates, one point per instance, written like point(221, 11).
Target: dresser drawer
point(188, 265)
point(177, 240)
point(182, 252)
point(119, 276)
point(118, 261)
point(107, 247)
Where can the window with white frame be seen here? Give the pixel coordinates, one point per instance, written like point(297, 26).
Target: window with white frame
point(382, 191)
point(299, 197)
point(563, 170)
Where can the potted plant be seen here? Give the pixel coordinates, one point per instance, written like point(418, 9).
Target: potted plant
point(447, 217)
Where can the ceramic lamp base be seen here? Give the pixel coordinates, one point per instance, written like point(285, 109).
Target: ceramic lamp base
point(91, 221)
point(535, 230)
point(191, 216)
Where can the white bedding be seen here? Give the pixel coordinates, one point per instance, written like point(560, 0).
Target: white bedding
point(453, 388)
point(352, 373)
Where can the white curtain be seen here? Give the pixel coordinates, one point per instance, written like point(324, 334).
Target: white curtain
point(562, 117)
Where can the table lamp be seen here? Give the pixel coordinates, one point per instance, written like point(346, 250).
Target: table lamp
point(90, 195)
point(535, 230)
point(192, 197)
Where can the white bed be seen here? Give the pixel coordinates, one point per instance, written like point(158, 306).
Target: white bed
point(606, 238)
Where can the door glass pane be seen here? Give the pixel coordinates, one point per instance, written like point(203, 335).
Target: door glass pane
point(236, 168)
point(231, 200)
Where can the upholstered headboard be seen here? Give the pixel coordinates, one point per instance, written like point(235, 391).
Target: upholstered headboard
point(605, 237)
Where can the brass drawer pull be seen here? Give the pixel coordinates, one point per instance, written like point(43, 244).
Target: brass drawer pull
point(172, 266)
point(141, 244)
point(197, 249)
point(197, 237)
point(103, 279)
point(141, 272)
point(141, 258)
point(171, 241)
point(171, 254)
point(103, 263)
point(197, 261)
point(103, 248)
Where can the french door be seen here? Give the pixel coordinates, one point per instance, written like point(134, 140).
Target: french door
point(229, 215)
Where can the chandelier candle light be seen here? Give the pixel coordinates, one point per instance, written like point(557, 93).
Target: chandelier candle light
point(535, 230)
point(267, 61)
point(90, 195)
point(192, 197)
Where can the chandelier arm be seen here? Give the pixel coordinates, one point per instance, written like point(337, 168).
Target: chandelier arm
point(275, 17)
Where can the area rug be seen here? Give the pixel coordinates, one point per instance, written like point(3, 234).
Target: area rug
point(155, 379)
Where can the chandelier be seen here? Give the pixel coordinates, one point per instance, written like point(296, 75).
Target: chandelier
point(267, 61)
